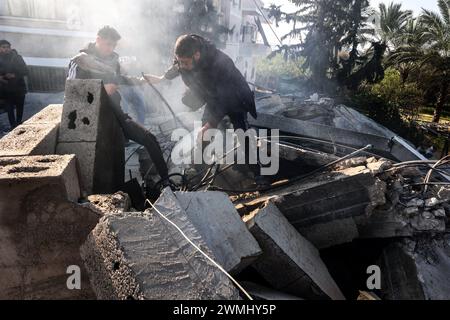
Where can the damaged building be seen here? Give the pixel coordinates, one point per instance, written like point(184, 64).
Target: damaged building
point(349, 195)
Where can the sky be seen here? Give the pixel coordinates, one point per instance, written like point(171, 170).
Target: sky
point(414, 5)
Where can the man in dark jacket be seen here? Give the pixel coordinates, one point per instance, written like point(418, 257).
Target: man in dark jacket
point(214, 80)
point(99, 61)
point(12, 83)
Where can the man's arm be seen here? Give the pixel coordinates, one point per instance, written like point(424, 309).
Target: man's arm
point(170, 74)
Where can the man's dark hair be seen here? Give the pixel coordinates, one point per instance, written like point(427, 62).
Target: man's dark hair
point(109, 33)
point(3, 42)
point(187, 45)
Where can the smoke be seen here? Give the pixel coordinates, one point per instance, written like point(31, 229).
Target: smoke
point(148, 29)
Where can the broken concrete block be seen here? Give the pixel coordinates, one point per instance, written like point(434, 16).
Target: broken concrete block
point(41, 227)
point(88, 123)
point(142, 256)
point(49, 115)
point(290, 263)
point(220, 225)
point(30, 140)
point(416, 270)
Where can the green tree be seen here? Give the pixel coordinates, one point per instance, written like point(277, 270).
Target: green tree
point(326, 29)
point(393, 23)
point(429, 53)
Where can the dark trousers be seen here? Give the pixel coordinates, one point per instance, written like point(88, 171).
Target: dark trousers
point(134, 131)
point(240, 121)
point(15, 102)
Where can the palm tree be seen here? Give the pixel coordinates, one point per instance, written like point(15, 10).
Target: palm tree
point(393, 23)
point(429, 51)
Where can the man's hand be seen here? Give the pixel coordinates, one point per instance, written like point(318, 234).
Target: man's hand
point(153, 79)
point(111, 88)
point(3, 80)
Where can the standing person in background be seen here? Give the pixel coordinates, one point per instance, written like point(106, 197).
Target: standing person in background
point(12, 82)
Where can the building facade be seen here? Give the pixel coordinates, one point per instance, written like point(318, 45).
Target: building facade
point(48, 32)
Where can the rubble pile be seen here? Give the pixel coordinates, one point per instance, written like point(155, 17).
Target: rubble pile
point(306, 237)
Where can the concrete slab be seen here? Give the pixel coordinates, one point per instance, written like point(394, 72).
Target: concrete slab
point(218, 222)
point(386, 147)
point(290, 263)
point(142, 256)
point(328, 208)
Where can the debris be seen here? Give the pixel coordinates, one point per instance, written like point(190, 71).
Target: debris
point(290, 263)
point(328, 208)
point(116, 203)
point(417, 269)
point(135, 256)
point(221, 227)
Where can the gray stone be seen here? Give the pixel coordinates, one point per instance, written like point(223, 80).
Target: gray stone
point(415, 203)
point(432, 202)
point(439, 213)
point(142, 256)
point(290, 263)
point(220, 225)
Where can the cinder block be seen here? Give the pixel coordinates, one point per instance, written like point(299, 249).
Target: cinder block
point(85, 105)
point(100, 171)
point(90, 130)
point(30, 140)
point(142, 256)
point(218, 222)
point(41, 227)
point(290, 263)
point(52, 114)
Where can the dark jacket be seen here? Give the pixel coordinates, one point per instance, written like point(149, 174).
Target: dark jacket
point(13, 63)
point(217, 82)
